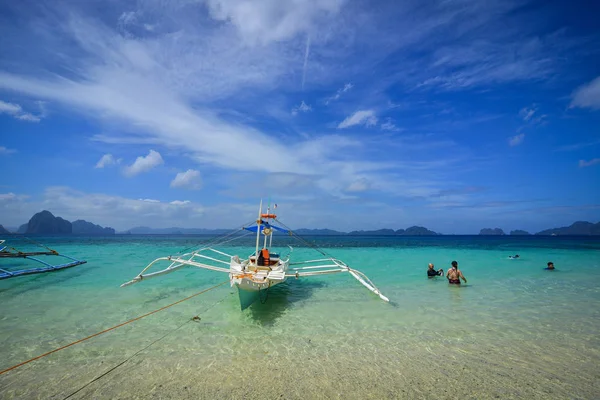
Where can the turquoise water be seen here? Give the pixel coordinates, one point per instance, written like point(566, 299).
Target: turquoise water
point(514, 331)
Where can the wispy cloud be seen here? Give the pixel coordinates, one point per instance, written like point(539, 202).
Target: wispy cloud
point(516, 140)
point(587, 95)
point(143, 164)
point(388, 125)
point(16, 111)
point(5, 150)
point(527, 113)
point(190, 179)
point(594, 161)
point(302, 107)
point(106, 160)
point(260, 23)
point(359, 185)
point(305, 67)
point(362, 117)
point(339, 93)
point(578, 146)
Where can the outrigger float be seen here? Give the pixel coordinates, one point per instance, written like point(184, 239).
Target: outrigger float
point(253, 274)
point(11, 252)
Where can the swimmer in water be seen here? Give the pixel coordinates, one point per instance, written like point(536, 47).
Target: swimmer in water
point(454, 275)
point(550, 265)
point(515, 256)
point(433, 273)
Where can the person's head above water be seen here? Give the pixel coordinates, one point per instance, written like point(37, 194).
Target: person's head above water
point(430, 266)
point(454, 264)
point(550, 265)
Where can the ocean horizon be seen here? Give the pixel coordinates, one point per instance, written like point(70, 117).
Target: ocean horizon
point(514, 330)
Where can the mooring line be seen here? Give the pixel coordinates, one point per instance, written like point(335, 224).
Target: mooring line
point(110, 329)
point(196, 318)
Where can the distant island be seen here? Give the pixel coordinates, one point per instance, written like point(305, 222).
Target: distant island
point(489, 231)
point(412, 231)
point(519, 232)
point(577, 228)
point(144, 230)
point(45, 222)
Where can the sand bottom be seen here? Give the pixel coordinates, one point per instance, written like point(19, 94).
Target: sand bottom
point(375, 365)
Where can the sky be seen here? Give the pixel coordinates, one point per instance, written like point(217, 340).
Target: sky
point(455, 115)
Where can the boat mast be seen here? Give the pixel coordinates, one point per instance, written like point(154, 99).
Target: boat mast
point(268, 211)
point(258, 223)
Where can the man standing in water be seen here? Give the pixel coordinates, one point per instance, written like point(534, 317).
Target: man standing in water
point(432, 272)
point(454, 274)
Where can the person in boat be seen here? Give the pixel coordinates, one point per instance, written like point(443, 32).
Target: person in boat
point(550, 266)
point(433, 273)
point(454, 275)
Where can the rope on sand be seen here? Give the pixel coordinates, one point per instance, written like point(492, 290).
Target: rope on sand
point(110, 329)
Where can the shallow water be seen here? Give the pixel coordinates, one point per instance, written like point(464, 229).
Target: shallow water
point(514, 331)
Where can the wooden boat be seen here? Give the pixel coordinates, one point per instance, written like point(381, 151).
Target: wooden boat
point(261, 270)
point(7, 252)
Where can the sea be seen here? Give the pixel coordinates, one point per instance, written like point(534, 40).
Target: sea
point(514, 331)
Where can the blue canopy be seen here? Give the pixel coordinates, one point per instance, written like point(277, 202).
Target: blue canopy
point(266, 225)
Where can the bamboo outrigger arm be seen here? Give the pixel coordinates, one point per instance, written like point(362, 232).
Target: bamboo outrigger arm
point(176, 263)
point(336, 266)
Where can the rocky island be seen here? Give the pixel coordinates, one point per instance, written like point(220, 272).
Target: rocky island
point(492, 232)
point(45, 223)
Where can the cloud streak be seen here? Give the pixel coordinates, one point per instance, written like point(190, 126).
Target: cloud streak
point(584, 163)
point(305, 67)
point(516, 140)
point(361, 117)
point(5, 150)
point(16, 111)
point(587, 95)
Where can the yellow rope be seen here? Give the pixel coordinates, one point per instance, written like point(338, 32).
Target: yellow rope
point(110, 329)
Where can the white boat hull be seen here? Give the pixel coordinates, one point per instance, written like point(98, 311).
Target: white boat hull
point(250, 280)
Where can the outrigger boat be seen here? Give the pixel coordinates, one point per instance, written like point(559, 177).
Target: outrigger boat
point(11, 252)
point(255, 274)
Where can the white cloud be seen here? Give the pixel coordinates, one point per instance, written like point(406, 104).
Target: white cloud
point(272, 20)
point(4, 150)
point(360, 185)
point(189, 179)
point(588, 95)
point(527, 112)
point(17, 112)
point(303, 107)
point(10, 197)
point(306, 53)
point(339, 93)
point(516, 140)
point(594, 161)
point(114, 211)
point(362, 117)
point(180, 202)
point(144, 164)
point(106, 160)
point(388, 125)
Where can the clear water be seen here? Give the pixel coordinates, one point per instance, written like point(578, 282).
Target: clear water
point(514, 331)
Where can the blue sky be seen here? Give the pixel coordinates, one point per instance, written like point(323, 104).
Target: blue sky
point(454, 115)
